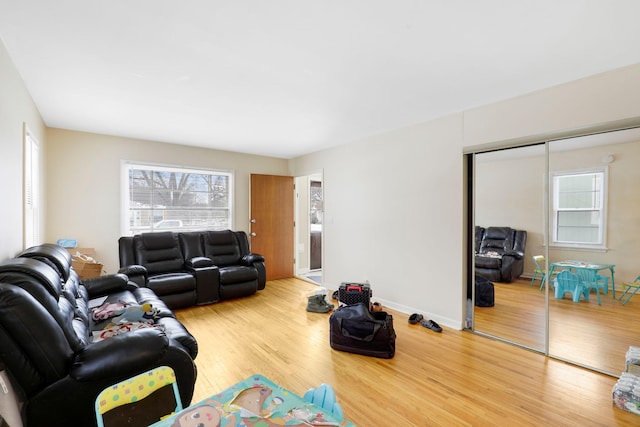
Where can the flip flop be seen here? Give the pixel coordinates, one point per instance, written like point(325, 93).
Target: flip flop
point(415, 318)
point(430, 324)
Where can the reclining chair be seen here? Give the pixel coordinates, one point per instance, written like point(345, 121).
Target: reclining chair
point(499, 253)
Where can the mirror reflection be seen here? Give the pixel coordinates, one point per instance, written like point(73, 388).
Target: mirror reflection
point(594, 236)
point(582, 224)
point(508, 194)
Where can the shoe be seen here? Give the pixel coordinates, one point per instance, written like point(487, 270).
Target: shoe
point(415, 318)
point(430, 324)
point(317, 304)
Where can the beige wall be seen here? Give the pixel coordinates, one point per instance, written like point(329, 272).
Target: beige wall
point(84, 181)
point(16, 108)
point(394, 203)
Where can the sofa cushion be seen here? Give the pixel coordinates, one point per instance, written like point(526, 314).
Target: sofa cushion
point(222, 247)
point(171, 283)
point(237, 274)
point(488, 262)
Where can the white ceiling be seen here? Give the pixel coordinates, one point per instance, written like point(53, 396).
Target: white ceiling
point(288, 77)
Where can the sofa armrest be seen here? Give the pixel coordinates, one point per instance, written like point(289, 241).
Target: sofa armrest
point(108, 284)
point(511, 267)
point(515, 254)
point(251, 258)
point(199, 262)
point(136, 273)
point(119, 355)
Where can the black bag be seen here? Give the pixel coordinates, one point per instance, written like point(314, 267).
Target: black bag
point(485, 293)
point(355, 329)
point(353, 293)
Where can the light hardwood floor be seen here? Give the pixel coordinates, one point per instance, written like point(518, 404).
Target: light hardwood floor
point(585, 332)
point(454, 378)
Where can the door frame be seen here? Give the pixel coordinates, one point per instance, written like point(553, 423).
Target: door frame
point(303, 211)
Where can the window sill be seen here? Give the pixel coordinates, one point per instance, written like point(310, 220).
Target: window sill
point(579, 247)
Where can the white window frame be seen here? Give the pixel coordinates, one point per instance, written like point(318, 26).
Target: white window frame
point(602, 224)
point(31, 187)
point(126, 166)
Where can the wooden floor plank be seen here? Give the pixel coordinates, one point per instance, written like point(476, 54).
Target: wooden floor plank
point(455, 378)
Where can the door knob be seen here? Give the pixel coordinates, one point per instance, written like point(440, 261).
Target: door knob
point(253, 221)
point(252, 234)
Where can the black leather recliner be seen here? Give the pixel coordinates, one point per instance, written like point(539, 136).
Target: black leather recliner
point(239, 272)
point(499, 253)
point(117, 288)
point(46, 341)
point(156, 261)
point(199, 267)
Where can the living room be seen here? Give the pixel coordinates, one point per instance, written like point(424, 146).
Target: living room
point(418, 227)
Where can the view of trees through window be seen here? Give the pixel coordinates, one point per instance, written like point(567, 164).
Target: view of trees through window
point(178, 199)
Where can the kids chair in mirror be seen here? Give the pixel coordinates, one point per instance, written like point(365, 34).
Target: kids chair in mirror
point(539, 270)
point(324, 397)
point(139, 401)
point(631, 289)
point(592, 280)
point(567, 281)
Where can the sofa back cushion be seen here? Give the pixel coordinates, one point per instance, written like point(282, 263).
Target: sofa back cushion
point(497, 239)
point(191, 244)
point(42, 282)
point(54, 255)
point(126, 251)
point(34, 347)
point(158, 252)
point(222, 247)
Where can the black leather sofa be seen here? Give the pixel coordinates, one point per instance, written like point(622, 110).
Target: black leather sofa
point(499, 253)
point(199, 267)
point(46, 341)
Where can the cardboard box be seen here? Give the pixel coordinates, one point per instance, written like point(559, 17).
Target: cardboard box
point(84, 251)
point(84, 263)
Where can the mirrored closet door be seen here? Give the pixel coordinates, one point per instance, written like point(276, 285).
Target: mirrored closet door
point(508, 198)
point(578, 200)
point(594, 230)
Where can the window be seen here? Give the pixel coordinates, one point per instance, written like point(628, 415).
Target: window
point(31, 190)
point(159, 198)
point(579, 208)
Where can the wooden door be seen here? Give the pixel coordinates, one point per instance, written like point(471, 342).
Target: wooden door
point(272, 225)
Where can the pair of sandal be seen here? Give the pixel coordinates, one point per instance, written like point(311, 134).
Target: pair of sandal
point(429, 324)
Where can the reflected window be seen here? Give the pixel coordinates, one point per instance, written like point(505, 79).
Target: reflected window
point(578, 208)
